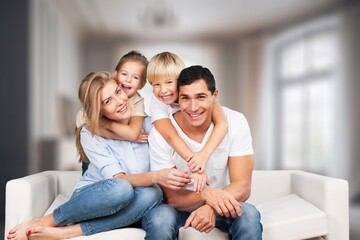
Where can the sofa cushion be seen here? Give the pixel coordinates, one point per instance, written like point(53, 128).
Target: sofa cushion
point(124, 233)
point(288, 217)
point(60, 199)
point(191, 233)
point(291, 217)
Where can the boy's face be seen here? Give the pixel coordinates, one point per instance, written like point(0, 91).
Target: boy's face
point(165, 89)
point(129, 76)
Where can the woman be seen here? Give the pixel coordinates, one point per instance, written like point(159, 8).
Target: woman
point(117, 189)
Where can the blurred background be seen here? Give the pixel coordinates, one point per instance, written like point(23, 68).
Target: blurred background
point(292, 67)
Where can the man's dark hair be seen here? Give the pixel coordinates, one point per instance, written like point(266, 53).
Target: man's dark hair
point(191, 74)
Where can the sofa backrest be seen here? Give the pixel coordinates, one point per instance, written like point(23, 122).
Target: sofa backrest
point(267, 185)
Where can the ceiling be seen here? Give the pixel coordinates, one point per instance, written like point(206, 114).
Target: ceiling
point(172, 19)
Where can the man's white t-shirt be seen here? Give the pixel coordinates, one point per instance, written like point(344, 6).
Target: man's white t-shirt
point(160, 110)
point(237, 142)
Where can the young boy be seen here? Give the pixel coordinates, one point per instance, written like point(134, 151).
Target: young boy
point(162, 72)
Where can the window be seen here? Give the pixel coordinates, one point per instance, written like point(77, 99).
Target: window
point(305, 70)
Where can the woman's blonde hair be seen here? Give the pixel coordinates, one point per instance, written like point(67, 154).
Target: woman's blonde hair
point(89, 95)
point(165, 64)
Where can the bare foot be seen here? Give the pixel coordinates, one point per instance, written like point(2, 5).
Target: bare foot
point(53, 233)
point(19, 232)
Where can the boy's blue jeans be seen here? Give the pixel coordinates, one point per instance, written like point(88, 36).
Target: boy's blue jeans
point(106, 205)
point(169, 220)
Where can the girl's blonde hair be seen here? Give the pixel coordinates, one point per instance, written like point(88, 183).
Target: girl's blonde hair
point(134, 56)
point(89, 95)
point(165, 64)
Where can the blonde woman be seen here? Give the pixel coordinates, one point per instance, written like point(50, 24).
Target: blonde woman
point(117, 190)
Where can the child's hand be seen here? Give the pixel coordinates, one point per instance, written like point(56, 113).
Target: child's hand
point(197, 162)
point(200, 180)
point(143, 137)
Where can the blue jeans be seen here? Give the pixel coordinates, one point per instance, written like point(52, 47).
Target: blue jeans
point(169, 220)
point(106, 205)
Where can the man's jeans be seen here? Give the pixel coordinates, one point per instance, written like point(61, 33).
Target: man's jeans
point(106, 205)
point(169, 220)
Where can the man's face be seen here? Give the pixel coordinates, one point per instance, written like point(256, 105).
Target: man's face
point(196, 103)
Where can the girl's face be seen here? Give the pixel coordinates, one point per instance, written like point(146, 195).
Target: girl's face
point(114, 102)
point(129, 76)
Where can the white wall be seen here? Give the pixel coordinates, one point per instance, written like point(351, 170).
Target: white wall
point(54, 69)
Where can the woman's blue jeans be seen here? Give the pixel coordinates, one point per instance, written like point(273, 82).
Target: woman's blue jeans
point(106, 205)
point(169, 220)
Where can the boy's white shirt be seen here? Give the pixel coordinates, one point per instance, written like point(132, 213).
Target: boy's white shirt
point(160, 110)
point(237, 142)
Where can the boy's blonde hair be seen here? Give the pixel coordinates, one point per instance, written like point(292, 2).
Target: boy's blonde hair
point(134, 56)
point(165, 64)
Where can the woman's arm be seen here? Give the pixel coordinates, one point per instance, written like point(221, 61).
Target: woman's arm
point(171, 178)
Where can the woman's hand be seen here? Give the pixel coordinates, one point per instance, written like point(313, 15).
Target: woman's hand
point(171, 178)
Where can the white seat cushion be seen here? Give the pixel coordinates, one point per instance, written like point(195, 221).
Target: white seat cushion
point(191, 233)
point(59, 200)
point(291, 217)
point(124, 233)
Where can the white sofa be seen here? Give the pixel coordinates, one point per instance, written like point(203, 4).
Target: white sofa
point(293, 205)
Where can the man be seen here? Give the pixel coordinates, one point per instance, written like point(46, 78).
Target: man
point(222, 203)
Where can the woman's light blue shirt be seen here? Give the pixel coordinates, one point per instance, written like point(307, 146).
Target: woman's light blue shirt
point(108, 156)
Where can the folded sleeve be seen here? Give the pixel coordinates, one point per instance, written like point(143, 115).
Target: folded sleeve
point(99, 154)
point(241, 140)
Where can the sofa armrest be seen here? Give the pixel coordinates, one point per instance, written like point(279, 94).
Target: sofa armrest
point(29, 197)
point(328, 194)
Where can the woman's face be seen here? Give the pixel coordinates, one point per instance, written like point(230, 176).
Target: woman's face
point(114, 103)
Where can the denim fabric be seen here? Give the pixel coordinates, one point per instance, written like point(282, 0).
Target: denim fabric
point(106, 205)
point(169, 220)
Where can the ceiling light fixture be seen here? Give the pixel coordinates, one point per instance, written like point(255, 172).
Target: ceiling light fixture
point(158, 15)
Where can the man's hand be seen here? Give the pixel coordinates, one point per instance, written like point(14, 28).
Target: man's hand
point(200, 180)
point(202, 219)
point(171, 178)
point(222, 202)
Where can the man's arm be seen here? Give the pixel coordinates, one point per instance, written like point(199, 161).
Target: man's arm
point(240, 172)
point(224, 202)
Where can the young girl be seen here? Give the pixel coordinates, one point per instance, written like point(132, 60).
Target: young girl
point(131, 74)
point(162, 72)
point(117, 190)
